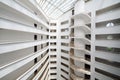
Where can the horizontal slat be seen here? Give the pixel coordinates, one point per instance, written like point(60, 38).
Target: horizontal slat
point(65, 75)
point(74, 67)
point(83, 50)
point(6, 69)
point(108, 30)
point(52, 34)
point(108, 56)
point(53, 77)
point(53, 47)
point(65, 48)
point(4, 48)
point(52, 40)
point(108, 68)
point(6, 24)
point(107, 16)
point(65, 33)
point(101, 76)
point(64, 26)
point(52, 53)
point(52, 65)
point(47, 77)
point(65, 61)
point(20, 10)
point(65, 55)
point(65, 40)
point(108, 43)
point(79, 59)
point(84, 40)
point(65, 68)
point(46, 72)
point(53, 59)
point(53, 71)
point(32, 69)
point(34, 7)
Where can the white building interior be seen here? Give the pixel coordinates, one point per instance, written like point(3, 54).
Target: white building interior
point(59, 39)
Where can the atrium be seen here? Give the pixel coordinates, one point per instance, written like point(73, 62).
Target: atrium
point(59, 39)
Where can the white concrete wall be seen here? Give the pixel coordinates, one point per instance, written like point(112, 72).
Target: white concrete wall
point(17, 40)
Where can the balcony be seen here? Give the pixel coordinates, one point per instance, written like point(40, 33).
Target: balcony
point(78, 69)
point(80, 59)
point(74, 77)
point(82, 16)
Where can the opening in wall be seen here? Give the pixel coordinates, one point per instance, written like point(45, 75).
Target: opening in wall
point(64, 22)
point(87, 67)
point(72, 22)
point(53, 43)
point(53, 73)
point(88, 47)
point(53, 67)
point(52, 49)
point(53, 62)
point(35, 72)
point(64, 51)
point(87, 57)
point(47, 30)
point(35, 25)
point(53, 79)
point(52, 24)
point(64, 44)
point(41, 37)
point(53, 30)
point(88, 36)
point(35, 48)
point(87, 76)
point(52, 37)
point(64, 37)
point(41, 46)
point(35, 60)
point(96, 79)
point(53, 56)
point(64, 30)
point(35, 37)
point(72, 32)
point(73, 12)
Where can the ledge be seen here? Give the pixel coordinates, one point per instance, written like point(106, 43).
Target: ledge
point(86, 29)
point(6, 69)
point(18, 10)
point(78, 69)
point(85, 40)
point(83, 50)
point(74, 77)
point(108, 43)
point(4, 48)
point(10, 25)
point(29, 72)
point(79, 59)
